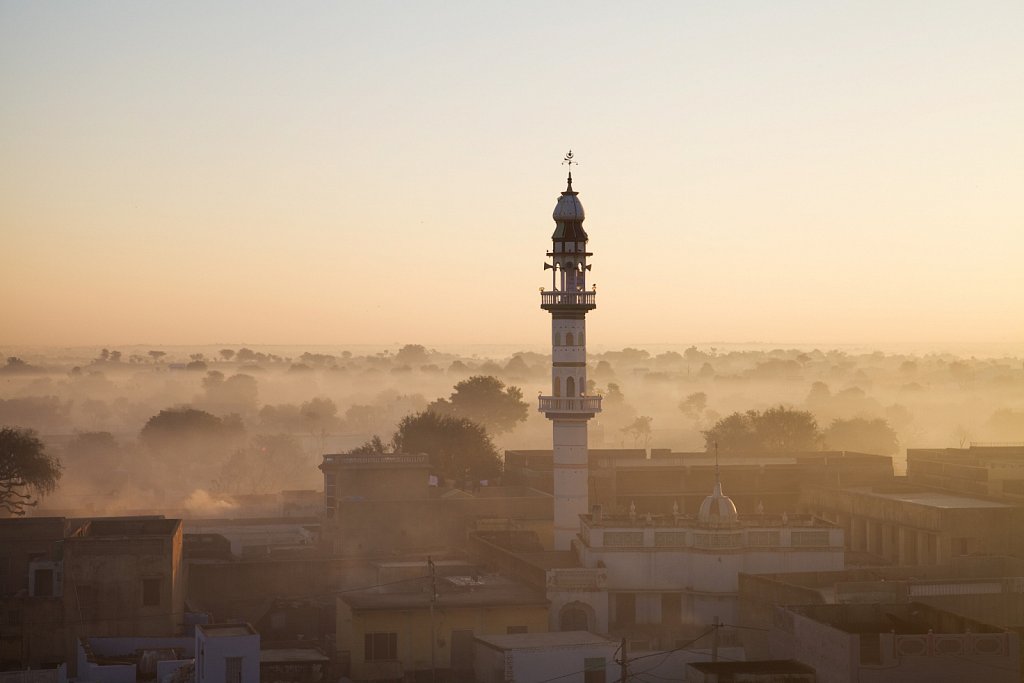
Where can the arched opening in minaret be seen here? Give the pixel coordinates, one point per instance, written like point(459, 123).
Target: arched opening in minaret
point(556, 386)
point(558, 338)
point(583, 386)
point(568, 339)
point(580, 340)
point(570, 387)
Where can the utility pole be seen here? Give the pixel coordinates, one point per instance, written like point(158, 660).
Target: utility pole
point(623, 673)
point(714, 640)
point(433, 630)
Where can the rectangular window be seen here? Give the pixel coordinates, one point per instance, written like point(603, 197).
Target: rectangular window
point(594, 670)
point(671, 609)
point(43, 581)
point(379, 647)
point(233, 669)
point(151, 592)
point(625, 609)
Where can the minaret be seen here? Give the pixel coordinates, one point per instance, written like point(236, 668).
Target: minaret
point(568, 407)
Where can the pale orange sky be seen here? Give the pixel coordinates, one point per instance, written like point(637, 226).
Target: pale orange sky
point(377, 173)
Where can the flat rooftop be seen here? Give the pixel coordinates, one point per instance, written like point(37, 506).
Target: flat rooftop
point(127, 527)
point(932, 499)
point(292, 655)
point(765, 666)
point(227, 630)
point(531, 641)
point(900, 618)
point(453, 591)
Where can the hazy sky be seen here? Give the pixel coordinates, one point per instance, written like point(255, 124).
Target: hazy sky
point(375, 172)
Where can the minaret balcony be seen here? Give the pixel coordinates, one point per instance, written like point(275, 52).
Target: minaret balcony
point(553, 300)
point(577, 405)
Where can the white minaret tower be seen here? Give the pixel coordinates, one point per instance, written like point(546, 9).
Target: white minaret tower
point(568, 407)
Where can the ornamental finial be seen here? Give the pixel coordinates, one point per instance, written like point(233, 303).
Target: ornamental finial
point(569, 160)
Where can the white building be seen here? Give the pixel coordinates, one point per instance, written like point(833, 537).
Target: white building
point(227, 653)
point(570, 656)
point(677, 570)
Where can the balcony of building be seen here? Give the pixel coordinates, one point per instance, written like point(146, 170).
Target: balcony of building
point(563, 299)
point(577, 405)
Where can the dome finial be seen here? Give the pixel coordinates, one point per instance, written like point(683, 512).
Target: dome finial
point(569, 160)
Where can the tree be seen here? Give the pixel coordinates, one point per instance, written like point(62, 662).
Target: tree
point(862, 435)
point(693, 405)
point(227, 354)
point(412, 354)
point(157, 355)
point(27, 472)
point(375, 446)
point(487, 401)
point(775, 430)
point(457, 446)
point(190, 434)
point(640, 428)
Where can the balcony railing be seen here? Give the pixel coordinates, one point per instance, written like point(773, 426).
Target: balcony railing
point(555, 298)
point(579, 404)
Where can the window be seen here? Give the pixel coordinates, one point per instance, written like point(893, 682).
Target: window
point(380, 647)
point(625, 609)
point(806, 539)
point(516, 629)
point(671, 609)
point(594, 670)
point(568, 339)
point(151, 592)
point(570, 387)
point(233, 669)
point(43, 583)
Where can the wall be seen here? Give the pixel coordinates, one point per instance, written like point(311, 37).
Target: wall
point(414, 628)
point(542, 664)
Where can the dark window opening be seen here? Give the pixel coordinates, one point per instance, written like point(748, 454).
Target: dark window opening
point(379, 647)
point(151, 592)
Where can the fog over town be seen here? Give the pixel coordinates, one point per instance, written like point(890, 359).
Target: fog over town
point(461, 342)
point(92, 407)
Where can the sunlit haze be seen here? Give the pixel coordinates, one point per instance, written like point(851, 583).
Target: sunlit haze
point(381, 173)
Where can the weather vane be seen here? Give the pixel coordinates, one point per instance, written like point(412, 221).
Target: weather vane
point(569, 160)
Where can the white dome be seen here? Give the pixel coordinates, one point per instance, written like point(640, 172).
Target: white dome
point(718, 509)
point(568, 208)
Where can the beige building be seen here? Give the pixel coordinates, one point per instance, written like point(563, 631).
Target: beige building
point(396, 630)
point(910, 525)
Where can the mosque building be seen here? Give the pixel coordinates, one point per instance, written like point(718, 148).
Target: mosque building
point(619, 571)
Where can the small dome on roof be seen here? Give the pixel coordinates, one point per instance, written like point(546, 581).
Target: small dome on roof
point(718, 510)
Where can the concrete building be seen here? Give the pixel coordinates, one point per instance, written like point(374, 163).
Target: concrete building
point(659, 580)
point(902, 643)
point(912, 525)
point(383, 504)
point(988, 589)
point(406, 627)
point(227, 653)
point(124, 576)
point(988, 471)
point(619, 478)
point(681, 572)
point(568, 407)
point(65, 579)
point(31, 588)
point(570, 656)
